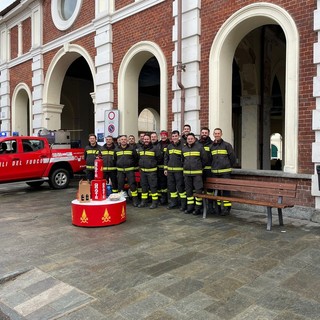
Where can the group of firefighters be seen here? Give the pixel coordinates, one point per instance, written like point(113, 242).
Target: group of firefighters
point(170, 170)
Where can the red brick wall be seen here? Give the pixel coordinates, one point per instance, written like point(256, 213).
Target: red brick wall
point(26, 35)
point(86, 42)
point(213, 16)
point(154, 25)
point(119, 4)
point(21, 73)
point(14, 42)
point(303, 195)
point(50, 32)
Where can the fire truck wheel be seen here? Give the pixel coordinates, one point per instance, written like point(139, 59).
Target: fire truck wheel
point(35, 184)
point(59, 179)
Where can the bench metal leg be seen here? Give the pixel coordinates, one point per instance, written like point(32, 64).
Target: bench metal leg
point(280, 216)
point(205, 205)
point(269, 217)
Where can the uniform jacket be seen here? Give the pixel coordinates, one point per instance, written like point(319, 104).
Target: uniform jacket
point(207, 145)
point(109, 163)
point(223, 157)
point(162, 145)
point(126, 158)
point(90, 154)
point(194, 159)
point(149, 157)
point(173, 157)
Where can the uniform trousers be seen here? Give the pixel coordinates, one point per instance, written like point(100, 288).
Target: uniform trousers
point(149, 181)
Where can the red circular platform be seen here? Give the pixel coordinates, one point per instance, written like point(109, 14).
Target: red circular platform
point(98, 213)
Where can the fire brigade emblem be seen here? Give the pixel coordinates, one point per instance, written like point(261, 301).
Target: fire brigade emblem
point(84, 217)
point(106, 217)
point(123, 213)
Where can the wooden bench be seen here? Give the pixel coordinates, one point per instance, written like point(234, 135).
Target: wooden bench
point(247, 190)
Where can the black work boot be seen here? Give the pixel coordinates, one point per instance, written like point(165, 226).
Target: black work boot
point(154, 204)
point(163, 199)
point(225, 211)
point(173, 203)
point(198, 211)
point(210, 207)
point(135, 201)
point(190, 209)
point(143, 203)
point(183, 204)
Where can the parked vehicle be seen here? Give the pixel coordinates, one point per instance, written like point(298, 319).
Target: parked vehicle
point(34, 160)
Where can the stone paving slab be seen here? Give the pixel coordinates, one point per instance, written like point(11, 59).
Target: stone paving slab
point(37, 295)
point(159, 264)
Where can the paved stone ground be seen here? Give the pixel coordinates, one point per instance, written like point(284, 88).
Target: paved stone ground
point(159, 264)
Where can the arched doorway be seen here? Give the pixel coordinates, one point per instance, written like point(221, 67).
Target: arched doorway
point(68, 89)
point(138, 88)
point(244, 38)
point(21, 111)
point(149, 97)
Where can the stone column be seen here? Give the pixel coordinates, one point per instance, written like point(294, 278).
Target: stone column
point(52, 115)
point(104, 95)
point(191, 58)
point(316, 113)
point(249, 132)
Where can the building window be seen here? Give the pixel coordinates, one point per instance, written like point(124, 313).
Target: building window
point(65, 12)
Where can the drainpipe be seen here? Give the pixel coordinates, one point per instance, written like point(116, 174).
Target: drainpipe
point(180, 66)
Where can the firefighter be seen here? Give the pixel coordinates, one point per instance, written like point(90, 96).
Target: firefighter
point(173, 169)
point(194, 160)
point(149, 158)
point(223, 159)
point(91, 151)
point(206, 141)
point(109, 165)
point(162, 178)
point(154, 138)
point(185, 132)
point(126, 160)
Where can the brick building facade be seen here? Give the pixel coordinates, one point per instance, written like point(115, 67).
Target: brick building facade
point(249, 67)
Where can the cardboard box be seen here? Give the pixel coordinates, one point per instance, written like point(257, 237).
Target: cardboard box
point(83, 194)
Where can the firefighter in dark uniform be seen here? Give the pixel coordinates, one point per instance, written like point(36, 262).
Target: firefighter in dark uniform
point(149, 158)
point(162, 178)
point(194, 160)
point(91, 151)
point(173, 169)
point(109, 165)
point(206, 141)
point(223, 159)
point(126, 161)
point(185, 132)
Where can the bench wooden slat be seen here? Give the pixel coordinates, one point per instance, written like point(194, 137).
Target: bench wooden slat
point(254, 183)
point(275, 192)
point(250, 189)
point(245, 201)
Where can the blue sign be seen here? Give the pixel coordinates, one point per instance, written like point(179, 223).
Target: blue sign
point(3, 134)
point(15, 133)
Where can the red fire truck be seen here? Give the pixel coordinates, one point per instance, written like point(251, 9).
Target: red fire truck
point(34, 160)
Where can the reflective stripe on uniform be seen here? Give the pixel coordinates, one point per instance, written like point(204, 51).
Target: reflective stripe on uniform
point(174, 168)
point(125, 169)
point(119, 153)
point(148, 169)
point(192, 171)
point(221, 170)
point(147, 153)
point(175, 151)
point(109, 168)
point(191, 154)
point(215, 152)
point(92, 151)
